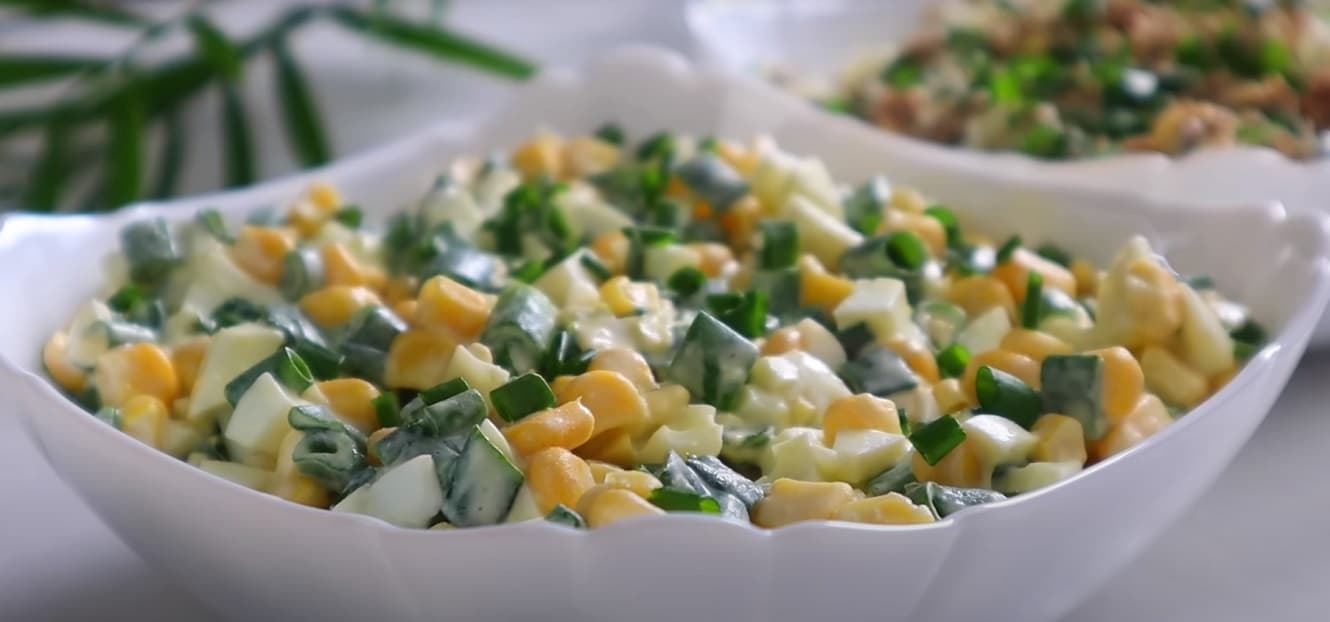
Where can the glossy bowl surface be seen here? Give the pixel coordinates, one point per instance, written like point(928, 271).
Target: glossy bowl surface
point(249, 556)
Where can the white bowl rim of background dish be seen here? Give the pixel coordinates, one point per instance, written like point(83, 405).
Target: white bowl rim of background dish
point(741, 36)
point(15, 227)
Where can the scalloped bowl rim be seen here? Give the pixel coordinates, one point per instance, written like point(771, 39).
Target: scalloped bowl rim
point(433, 139)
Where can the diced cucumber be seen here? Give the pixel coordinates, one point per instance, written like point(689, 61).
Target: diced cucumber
point(247, 476)
point(520, 327)
point(406, 495)
point(1033, 476)
point(259, 422)
point(894, 479)
point(713, 180)
point(944, 501)
point(880, 371)
point(1072, 385)
point(724, 479)
point(482, 484)
point(231, 351)
point(713, 362)
point(565, 515)
point(985, 332)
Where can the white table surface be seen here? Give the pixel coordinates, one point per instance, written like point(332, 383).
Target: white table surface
point(1254, 548)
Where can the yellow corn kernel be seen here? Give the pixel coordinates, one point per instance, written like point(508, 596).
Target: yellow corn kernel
point(603, 505)
point(186, 357)
point(340, 267)
point(960, 467)
point(587, 155)
point(289, 483)
point(929, 229)
point(307, 218)
point(977, 294)
point(1148, 418)
point(135, 369)
point(908, 200)
point(626, 297)
point(1122, 383)
point(818, 288)
point(1059, 438)
point(859, 412)
point(407, 310)
point(542, 156)
point(260, 251)
point(613, 447)
point(601, 470)
point(611, 247)
point(741, 158)
point(448, 305)
point(56, 359)
point(783, 340)
point(401, 288)
point(1171, 379)
point(610, 397)
point(1034, 344)
point(557, 476)
point(372, 444)
point(716, 257)
point(1087, 277)
point(1015, 274)
point(792, 501)
point(144, 418)
point(1018, 365)
point(740, 221)
point(567, 426)
point(890, 509)
point(626, 362)
point(349, 399)
point(917, 357)
point(418, 359)
point(950, 397)
point(324, 195)
point(640, 482)
point(1222, 378)
point(334, 306)
point(1154, 299)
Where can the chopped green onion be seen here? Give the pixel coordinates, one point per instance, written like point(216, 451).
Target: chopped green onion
point(863, 208)
point(937, 438)
point(529, 271)
point(1031, 307)
point(234, 311)
point(302, 272)
point(658, 145)
point(668, 213)
point(894, 479)
point(713, 180)
point(687, 281)
point(1200, 282)
point(595, 266)
point(904, 419)
point(324, 363)
point(351, 216)
point(1073, 386)
point(1008, 248)
point(782, 289)
point(952, 360)
point(110, 415)
point(1247, 339)
point(564, 357)
point(904, 73)
point(520, 328)
point(522, 396)
point(286, 367)
point(388, 409)
point(855, 338)
point(906, 250)
point(151, 250)
point(444, 390)
point(944, 501)
point(610, 133)
point(1005, 395)
point(1054, 254)
point(674, 500)
point(950, 223)
point(639, 239)
point(745, 312)
point(780, 245)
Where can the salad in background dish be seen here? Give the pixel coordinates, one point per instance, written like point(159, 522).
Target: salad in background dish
point(589, 330)
point(1066, 79)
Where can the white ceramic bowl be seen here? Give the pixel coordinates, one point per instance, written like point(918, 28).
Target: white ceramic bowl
point(250, 556)
point(822, 36)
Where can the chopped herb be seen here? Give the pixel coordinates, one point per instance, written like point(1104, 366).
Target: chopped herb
point(935, 439)
point(952, 360)
point(674, 500)
point(1003, 394)
point(780, 245)
point(522, 396)
point(211, 221)
point(950, 223)
point(388, 409)
point(1054, 254)
point(1031, 307)
point(351, 216)
point(744, 312)
point(687, 281)
point(1009, 247)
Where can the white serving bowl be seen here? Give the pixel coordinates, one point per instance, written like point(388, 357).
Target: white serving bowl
point(821, 36)
point(250, 556)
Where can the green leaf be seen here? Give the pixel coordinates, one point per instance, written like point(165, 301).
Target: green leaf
point(239, 146)
point(23, 68)
point(75, 9)
point(124, 165)
point(214, 47)
point(304, 124)
point(50, 172)
point(172, 157)
point(437, 42)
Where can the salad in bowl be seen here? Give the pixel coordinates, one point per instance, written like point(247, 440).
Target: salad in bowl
point(589, 329)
